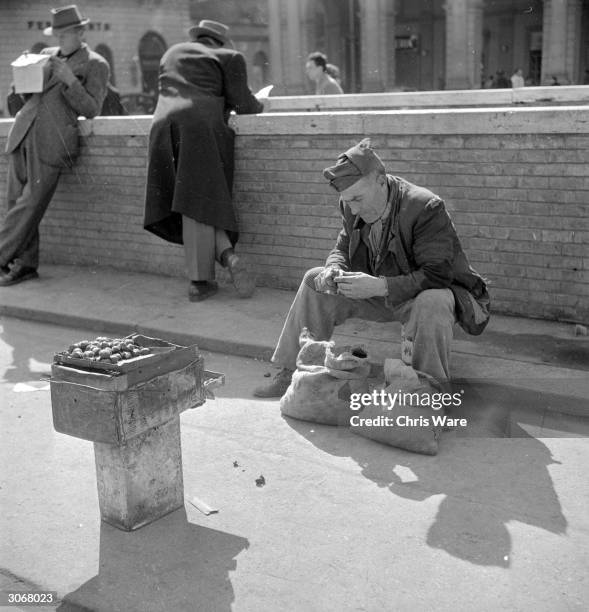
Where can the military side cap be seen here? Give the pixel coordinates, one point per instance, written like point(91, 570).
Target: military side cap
point(352, 165)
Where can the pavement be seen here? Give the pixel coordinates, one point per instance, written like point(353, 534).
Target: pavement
point(543, 357)
point(497, 520)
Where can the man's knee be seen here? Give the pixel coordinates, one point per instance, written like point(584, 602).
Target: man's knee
point(434, 303)
point(310, 275)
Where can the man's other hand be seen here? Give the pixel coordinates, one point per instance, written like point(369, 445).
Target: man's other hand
point(360, 286)
point(324, 282)
point(62, 71)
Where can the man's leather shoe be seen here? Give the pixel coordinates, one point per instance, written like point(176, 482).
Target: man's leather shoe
point(201, 290)
point(244, 282)
point(277, 387)
point(17, 273)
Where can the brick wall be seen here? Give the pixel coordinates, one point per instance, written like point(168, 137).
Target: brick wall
point(516, 183)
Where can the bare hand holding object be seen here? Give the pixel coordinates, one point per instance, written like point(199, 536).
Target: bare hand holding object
point(324, 282)
point(360, 286)
point(62, 71)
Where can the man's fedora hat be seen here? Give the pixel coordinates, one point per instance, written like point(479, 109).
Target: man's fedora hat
point(206, 27)
point(64, 18)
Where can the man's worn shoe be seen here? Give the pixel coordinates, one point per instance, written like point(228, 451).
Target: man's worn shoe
point(277, 387)
point(201, 290)
point(17, 273)
point(244, 282)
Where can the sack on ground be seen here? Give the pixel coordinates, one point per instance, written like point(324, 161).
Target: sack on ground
point(324, 380)
point(402, 414)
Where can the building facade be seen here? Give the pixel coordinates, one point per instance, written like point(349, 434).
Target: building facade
point(379, 45)
point(388, 45)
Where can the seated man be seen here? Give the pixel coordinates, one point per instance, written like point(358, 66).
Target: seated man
point(397, 258)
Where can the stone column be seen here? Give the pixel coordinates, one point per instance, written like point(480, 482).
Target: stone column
point(561, 39)
point(294, 64)
point(374, 28)
point(464, 43)
point(275, 33)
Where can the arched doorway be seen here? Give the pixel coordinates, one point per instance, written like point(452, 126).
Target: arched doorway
point(259, 75)
point(151, 48)
point(106, 53)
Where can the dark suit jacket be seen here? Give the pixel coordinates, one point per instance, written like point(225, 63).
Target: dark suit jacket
point(53, 113)
point(190, 170)
point(422, 252)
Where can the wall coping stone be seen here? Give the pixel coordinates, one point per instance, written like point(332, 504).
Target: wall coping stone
point(502, 120)
point(569, 94)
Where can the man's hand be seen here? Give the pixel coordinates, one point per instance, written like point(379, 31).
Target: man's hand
point(360, 286)
point(324, 282)
point(62, 71)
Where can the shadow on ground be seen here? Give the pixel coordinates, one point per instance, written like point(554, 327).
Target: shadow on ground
point(487, 481)
point(170, 564)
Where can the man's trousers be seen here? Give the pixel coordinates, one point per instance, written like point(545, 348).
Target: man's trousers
point(428, 322)
point(203, 245)
point(30, 187)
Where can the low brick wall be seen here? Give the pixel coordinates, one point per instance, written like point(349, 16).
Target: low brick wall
point(516, 182)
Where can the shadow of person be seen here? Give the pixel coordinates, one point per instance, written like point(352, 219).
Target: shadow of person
point(170, 564)
point(27, 361)
point(486, 482)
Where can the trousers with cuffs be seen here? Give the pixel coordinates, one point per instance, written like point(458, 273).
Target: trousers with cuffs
point(428, 321)
point(203, 245)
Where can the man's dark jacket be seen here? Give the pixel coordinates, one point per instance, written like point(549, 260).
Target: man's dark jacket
point(422, 252)
point(190, 169)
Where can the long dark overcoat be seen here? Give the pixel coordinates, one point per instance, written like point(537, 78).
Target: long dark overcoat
point(190, 168)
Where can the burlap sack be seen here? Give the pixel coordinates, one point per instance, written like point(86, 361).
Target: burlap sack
point(403, 417)
point(324, 380)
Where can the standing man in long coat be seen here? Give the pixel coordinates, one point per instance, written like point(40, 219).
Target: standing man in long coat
point(44, 139)
point(190, 168)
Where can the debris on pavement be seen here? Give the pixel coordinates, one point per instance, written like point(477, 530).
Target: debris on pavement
point(261, 481)
point(199, 504)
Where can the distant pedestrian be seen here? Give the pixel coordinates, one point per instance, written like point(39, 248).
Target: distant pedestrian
point(334, 72)
point(517, 79)
point(501, 81)
point(554, 80)
point(316, 69)
point(490, 82)
point(112, 105)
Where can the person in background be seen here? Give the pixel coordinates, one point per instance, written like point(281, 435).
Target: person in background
point(334, 72)
point(397, 258)
point(501, 81)
point(490, 82)
point(112, 105)
point(44, 139)
point(316, 69)
point(517, 79)
point(554, 80)
point(190, 166)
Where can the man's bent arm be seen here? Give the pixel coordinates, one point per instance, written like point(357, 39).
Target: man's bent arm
point(86, 99)
point(434, 244)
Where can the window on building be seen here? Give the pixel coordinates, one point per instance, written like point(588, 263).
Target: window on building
point(535, 57)
point(106, 53)
point(259, 70)
point(151, 48)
